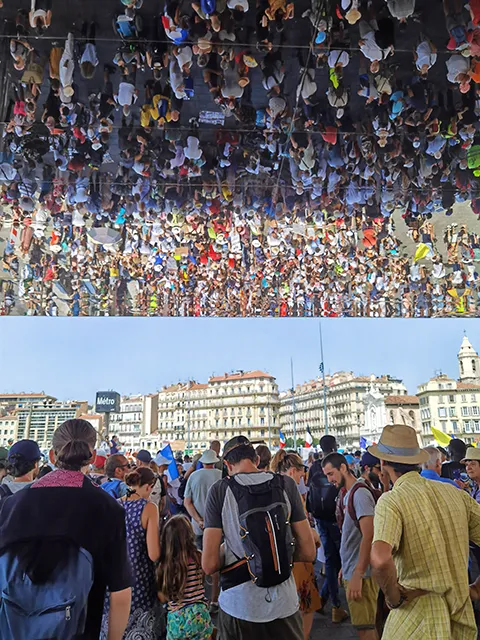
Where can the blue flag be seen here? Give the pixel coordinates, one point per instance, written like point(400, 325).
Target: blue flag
point(363, 443)
point(172, 467)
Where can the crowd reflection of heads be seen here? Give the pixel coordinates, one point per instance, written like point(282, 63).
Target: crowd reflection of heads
point(227, 158)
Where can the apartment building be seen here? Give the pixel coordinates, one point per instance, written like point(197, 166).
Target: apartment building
point(453, 406)
point(136, 420)
point(345, 406)
point(191, 414)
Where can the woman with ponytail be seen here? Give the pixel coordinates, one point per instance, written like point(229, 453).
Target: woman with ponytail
point(141, 517)
point(290, 464)
point(63, 523)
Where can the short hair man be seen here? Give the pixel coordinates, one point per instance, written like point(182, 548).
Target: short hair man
point(432, 467)
point(216, 447)
point(371, 470)
point(246, 610)
point(454, 468)
point(23, 465)
point(327, 528)
point(417, 527)
point(356, 543)
point(116, 468)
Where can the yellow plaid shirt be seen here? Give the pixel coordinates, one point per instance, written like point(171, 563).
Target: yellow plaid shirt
point(429, 525)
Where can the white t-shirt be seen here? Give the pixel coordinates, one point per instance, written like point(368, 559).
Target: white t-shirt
point(126, 94)
point(455, 65)
point(338, 57)
point(425, 55)
point(90, 54)
point(401, 8)
point(67, 63)
point(370, 48)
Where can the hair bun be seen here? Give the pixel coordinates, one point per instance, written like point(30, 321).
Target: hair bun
point(132, 479)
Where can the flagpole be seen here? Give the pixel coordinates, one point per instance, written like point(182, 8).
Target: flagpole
point(293, 409)
point(322, 371)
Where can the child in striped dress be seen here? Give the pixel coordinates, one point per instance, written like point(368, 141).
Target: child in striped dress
point(180, 583)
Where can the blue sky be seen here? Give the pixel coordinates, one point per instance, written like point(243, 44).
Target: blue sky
point(73, 358)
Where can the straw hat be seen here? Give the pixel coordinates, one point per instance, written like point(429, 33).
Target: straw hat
point(353, 16)
point(398, 443)
point(472, 454)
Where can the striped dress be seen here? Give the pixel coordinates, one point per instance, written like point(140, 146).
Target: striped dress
point(194, 589)
point(189, 619)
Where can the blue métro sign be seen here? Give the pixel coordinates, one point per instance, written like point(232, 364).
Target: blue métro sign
point(107, 402)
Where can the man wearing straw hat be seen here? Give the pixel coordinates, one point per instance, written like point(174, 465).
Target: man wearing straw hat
point(420, 546)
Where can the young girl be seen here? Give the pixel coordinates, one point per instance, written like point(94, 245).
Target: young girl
point(180, 583)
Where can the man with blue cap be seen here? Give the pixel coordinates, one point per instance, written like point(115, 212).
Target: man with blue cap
point(371, 470)
point(23, 465)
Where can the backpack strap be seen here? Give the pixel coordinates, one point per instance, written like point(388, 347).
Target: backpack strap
point(351, 504)
point(5, 491)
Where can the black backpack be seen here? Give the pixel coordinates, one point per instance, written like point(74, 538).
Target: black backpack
point(266, 534)
point(321, 497)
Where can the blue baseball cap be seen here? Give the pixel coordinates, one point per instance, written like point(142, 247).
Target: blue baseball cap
point(27, 449)
point(350, 459)
point(368, 460)
point(144, 456)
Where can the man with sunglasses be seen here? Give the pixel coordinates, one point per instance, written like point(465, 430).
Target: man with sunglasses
point(116, 468)
point(371, 471)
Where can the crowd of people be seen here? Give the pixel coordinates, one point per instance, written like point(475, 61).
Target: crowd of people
point(90, 547)
point(228, 168)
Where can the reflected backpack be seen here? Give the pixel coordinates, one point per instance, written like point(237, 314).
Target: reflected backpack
point(265, 532)
point(43, 602)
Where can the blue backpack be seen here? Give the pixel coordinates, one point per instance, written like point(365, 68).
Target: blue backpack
point(53, 610)
point(112, 487)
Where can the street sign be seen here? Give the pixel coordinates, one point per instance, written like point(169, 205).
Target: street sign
point(107, 402)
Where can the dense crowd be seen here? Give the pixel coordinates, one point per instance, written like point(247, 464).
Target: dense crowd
point(100, 546)
point(274, 200)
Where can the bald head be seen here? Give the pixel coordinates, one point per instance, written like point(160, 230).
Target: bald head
point(215, 446)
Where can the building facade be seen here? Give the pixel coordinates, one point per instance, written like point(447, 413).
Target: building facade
point(381, 410)
point(8, 429)
point(453, 406)
point(38, 421)
point(137, 419)
point(345, 406)
point(190, 414)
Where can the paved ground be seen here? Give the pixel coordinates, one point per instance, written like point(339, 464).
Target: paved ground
point(325, 629)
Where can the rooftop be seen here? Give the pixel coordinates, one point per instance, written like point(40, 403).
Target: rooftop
point(241, 375)
point(404, 400)
point(25, 395)
point(467, 385)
